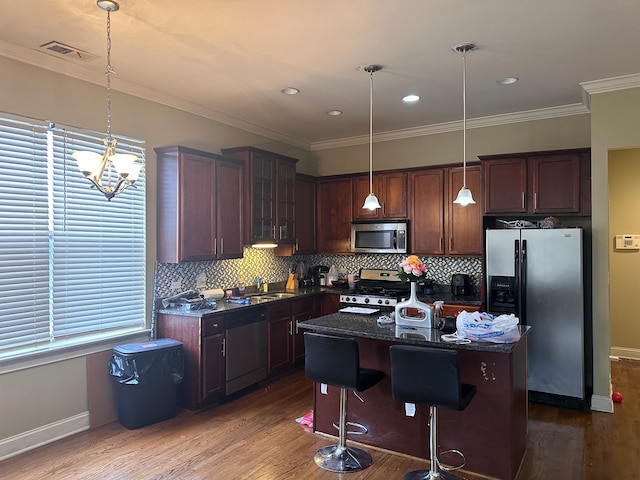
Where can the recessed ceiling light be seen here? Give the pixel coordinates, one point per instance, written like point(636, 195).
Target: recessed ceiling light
point(507, 80)
point(411, 98)
point(290, 91)
point(334, 113)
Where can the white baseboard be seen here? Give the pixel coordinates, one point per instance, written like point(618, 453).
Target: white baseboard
point(623, 352)
point(37, 437)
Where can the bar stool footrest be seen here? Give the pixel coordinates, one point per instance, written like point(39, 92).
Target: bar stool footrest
point(363, 430)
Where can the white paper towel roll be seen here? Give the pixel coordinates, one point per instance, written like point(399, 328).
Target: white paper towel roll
point(212, 294)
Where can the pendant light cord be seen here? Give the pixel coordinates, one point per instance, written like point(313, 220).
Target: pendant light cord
point(108, 75)
point(371, 135)
point(464, 119)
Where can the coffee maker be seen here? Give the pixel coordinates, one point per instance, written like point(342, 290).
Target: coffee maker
point(320, 275)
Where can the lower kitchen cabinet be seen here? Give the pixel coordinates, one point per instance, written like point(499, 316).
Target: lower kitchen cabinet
point(285, 343)
point(204, 364)
point(330, 303)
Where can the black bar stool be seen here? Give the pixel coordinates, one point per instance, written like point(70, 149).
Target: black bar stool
point(336, 361)
point(430, 376)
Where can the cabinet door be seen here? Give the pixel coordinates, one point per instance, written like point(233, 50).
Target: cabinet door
point(229, 191)
point(196, 204)
point(426, 200)
point(279, 354)
point(213, 366)
point(505, 185)
point(330, 303)
point(464, 223)
point(262, 207)
point(393, 188)
point(334, 215)
point(555, 183)
point(301, 310)
point(306, 238)
point(286, 187)
point(360, 186)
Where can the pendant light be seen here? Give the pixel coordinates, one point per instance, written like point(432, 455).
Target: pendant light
point(93, 165)
point(371, 202)
point(464, 195)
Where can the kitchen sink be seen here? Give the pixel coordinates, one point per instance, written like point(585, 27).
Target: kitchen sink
point(267, 296)
point(279, 295)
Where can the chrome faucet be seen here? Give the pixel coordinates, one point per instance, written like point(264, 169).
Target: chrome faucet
point(259, 282)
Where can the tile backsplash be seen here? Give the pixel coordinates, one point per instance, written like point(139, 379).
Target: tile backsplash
point(171, 278)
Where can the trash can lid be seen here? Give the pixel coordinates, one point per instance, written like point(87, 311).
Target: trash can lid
point(151, 345)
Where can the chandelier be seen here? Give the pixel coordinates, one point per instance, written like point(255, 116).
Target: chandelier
point(121, 169)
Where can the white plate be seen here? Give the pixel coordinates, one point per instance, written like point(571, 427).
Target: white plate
point(366, 311)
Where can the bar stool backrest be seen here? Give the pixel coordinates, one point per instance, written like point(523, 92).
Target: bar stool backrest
point(428, 376)
point(332, 360)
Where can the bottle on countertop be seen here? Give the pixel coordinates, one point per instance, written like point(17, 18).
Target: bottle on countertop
point(240, 285)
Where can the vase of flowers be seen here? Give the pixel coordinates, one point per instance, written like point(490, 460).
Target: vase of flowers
point(413, 312)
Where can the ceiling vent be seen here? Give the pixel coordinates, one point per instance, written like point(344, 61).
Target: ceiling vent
point(71, 53)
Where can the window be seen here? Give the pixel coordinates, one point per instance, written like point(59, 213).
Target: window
point(72, 264)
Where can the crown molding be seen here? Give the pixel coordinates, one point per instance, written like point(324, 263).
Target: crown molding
point(481, 122)
point(608, 85)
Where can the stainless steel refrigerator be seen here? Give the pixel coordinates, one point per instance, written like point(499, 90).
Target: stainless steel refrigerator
point(538, 275)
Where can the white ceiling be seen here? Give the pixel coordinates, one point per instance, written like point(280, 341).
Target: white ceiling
point(229, 59)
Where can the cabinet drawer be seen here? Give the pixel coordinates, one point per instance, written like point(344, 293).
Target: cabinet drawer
point(212, 325)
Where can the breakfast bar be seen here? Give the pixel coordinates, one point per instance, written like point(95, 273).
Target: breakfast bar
point(491, 431)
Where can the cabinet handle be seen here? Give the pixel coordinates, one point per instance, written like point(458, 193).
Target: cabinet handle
point(522, 201)
point(224, 347)
point(290, 327)
point(450, 243)
point(215, 246)
point(535, 201)
point(274, 231)
point(441, 244)
point(297, 246)
point(221, 246)
point(297, 327)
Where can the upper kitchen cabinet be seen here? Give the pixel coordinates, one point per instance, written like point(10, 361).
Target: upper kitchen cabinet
point(437, 225)
point(270, 196)
point(391, 190)
point(334, 215)
point(306, 231)
point(554, 182)
point(196, 222)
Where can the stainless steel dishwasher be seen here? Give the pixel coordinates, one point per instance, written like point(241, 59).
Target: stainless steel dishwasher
point(245, 348)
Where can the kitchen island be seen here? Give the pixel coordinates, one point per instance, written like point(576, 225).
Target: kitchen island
point(491, 431)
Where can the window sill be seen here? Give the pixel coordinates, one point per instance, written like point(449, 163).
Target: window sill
point(65, 350)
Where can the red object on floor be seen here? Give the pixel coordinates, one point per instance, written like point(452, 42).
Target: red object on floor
point(307, 419)
point(617, 397)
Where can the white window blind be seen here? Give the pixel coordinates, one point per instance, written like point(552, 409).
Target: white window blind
point(86, 254)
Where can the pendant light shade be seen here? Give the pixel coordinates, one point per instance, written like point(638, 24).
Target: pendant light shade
point(371, 202)
point(464, 195)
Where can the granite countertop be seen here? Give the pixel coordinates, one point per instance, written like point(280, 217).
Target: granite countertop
point(255, 300)
point(366, 326)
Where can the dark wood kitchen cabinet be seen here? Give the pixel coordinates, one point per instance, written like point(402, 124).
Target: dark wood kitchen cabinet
point(306, 224)
point(553, 182)
point(334, 214)
point(196, 220)
point(285, 341)
point(438, 226)
point(269, 197)
point(391, 190)
point(204, 363)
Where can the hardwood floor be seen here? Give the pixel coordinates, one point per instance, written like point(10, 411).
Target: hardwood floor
point(256, 437)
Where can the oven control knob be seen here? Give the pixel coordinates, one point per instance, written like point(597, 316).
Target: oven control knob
point(347, 299)
point(379, 301)
point(386, 302)
point(366, 300)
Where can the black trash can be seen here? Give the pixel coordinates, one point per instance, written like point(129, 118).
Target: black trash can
point(146, 376)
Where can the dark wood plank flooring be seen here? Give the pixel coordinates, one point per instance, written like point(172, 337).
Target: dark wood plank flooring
point(256, 437)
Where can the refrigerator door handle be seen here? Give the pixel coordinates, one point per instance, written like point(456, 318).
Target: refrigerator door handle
point(516, 274)
point(523, 282)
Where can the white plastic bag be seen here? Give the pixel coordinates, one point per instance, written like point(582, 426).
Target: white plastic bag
point(484, 327)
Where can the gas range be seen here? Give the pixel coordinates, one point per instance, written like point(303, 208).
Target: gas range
point(376, 288)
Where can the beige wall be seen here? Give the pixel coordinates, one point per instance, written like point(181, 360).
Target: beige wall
point(615, 117)
point(563, 132)
point(624, 204)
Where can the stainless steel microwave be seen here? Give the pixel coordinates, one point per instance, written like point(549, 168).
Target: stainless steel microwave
point(379, 237)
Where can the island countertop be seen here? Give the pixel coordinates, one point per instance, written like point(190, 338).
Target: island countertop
point(366, 326)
